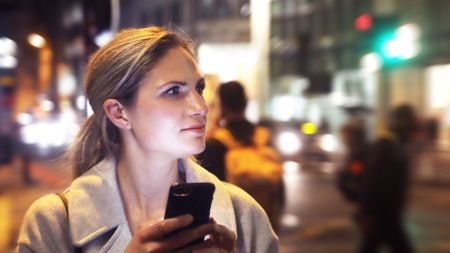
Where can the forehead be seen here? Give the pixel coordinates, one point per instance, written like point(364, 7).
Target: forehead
point(176, 64)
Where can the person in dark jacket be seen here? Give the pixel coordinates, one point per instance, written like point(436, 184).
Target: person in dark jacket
point(385, 185)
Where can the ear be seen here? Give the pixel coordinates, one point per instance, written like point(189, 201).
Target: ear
point(116, 112)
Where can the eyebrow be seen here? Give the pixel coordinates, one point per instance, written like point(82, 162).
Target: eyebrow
point(199, 81)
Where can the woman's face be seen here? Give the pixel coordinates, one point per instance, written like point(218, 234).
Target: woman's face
point(169, 114)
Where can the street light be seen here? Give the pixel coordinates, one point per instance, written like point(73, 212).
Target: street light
point(36, 40)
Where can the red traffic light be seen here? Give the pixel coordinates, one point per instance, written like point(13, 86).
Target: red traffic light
point(363, 22)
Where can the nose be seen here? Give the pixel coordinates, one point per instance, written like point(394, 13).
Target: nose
point(197, 105)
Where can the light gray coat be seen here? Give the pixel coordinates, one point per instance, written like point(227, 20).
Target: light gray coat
point(97, 221)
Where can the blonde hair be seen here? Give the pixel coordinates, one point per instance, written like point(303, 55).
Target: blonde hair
point(115, 71)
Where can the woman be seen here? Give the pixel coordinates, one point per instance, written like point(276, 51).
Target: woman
point(145, 89)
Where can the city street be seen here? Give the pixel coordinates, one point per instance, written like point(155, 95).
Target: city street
point(317, 219)
point(326, 78)
point(324, 217)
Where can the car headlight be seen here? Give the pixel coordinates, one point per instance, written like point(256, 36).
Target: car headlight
point(288, 143)
point(328, 142)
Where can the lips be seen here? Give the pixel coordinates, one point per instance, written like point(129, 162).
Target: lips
point(195, 128)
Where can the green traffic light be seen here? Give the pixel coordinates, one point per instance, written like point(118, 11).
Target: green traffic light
point(387, 46)
point(399, 45)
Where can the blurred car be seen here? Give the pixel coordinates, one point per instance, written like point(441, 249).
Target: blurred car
point(44, 138)
point(302, 141)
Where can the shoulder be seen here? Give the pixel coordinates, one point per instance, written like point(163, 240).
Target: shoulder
point(251, 220)
point(45, 226)
point(45, 212)
point(224, 136)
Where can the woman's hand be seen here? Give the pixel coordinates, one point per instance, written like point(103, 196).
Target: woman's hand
point(222, 237)
point(154, 238)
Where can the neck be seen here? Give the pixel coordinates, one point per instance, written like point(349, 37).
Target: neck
point(145, 184)
point(149, 175)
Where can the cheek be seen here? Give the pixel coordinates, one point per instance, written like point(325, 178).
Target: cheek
point(161, 124)
point(156, 120)
point(165, 117)
point(154, 112)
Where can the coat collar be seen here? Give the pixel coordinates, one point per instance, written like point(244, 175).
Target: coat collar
point(95, 203)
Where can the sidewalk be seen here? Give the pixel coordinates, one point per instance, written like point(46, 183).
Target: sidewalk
point(16, 197)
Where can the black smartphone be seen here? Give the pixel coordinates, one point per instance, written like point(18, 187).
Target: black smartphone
point(190, 198)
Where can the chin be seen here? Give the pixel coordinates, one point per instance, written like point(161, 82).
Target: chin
point(191, 147)
point(197, 149)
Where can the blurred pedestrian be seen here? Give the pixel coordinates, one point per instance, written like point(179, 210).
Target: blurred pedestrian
point(239, 153)
point(145, 90)
point(349, 177)
point(385, 186)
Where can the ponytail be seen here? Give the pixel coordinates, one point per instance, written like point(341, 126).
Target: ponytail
point(94, 142)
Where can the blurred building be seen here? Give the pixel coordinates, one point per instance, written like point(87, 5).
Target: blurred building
point(301, 59)
point(50, 50)
point(338, 56)
point(204, 20)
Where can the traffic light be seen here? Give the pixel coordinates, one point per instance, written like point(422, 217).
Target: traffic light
point(364, 22)
point(386, 46)
point(399, 45)
point(394, 44)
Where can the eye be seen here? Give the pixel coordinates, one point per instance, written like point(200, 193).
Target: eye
point(173, 91)
point(200, 87)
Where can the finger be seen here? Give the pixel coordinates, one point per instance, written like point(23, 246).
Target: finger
point(182, 239)
point(224, 237)
point(221, 236)
point(179, 240)
point(203, 245)
point(187, 236)
point(162, 228)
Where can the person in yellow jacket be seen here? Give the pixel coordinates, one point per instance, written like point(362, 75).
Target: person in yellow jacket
point(238, 152)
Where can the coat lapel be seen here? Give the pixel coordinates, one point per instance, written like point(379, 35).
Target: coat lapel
point(95, 206)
